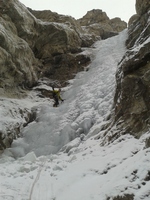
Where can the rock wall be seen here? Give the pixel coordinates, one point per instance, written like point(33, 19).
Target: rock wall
point(91, 27)
point(97, 22)
point(34, 44)
point(132, 108)
point(26, 44)
point(17, 61)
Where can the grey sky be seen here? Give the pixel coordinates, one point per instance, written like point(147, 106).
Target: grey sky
point(78, 8)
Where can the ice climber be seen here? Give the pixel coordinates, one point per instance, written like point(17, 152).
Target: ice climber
point(56, 96)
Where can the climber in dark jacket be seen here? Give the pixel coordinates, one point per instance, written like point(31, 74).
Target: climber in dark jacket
point(56, 96)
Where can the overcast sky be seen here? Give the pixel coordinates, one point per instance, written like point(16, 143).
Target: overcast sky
point(78, 8)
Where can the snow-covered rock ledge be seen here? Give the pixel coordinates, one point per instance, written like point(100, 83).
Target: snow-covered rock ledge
point(15, 114)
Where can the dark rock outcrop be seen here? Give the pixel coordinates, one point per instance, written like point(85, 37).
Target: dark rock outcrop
point(142, 7)
point(19, 66)
point(96, 22)
point(117, 24)
point(132, 108)
point(2, 145)
point(125, 197)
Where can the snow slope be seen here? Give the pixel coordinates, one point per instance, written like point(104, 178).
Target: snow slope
point(50, 167)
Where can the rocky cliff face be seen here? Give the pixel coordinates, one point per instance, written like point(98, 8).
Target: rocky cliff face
point(132, 108)
point(27, 44)
point(18, 63)
point(97, 22)
point(35, 44)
